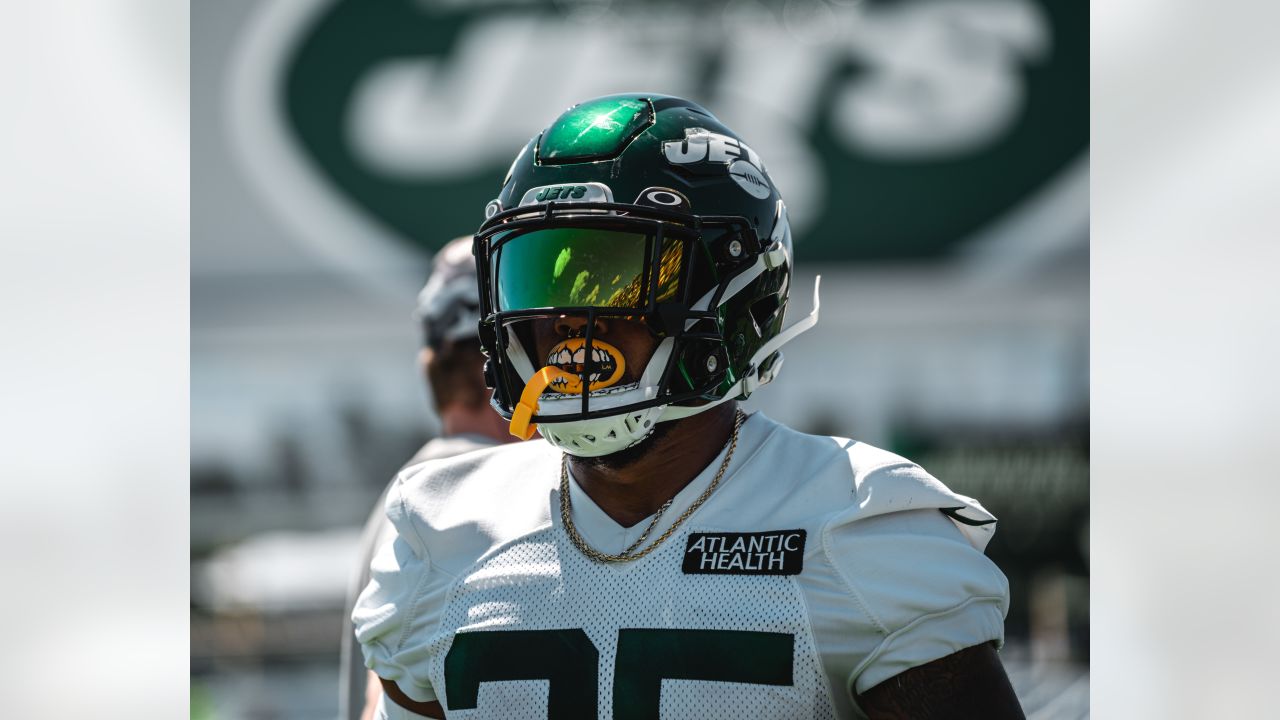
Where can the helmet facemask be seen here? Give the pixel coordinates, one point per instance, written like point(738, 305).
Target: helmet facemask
point(613, 262)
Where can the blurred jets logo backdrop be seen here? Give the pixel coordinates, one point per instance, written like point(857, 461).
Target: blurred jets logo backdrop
point(896, 130)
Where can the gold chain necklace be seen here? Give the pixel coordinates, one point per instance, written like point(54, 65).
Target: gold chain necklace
point(566, 507)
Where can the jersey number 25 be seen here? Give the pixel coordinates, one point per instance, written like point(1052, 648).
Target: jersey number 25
point(570, 662)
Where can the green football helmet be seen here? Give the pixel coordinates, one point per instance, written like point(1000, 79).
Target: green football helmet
point(644, 207)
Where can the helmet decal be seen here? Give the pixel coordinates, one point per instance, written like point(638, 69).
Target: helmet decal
point(580, 192)
point(704, 151)
point(664, 197)
point(750, 179)
point(703, 146)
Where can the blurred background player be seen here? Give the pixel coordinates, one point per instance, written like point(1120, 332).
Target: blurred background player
point(448, 310)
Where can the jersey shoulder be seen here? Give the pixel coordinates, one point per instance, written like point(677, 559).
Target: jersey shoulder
point(906, 550)
point(797, 476)
point(454, 510)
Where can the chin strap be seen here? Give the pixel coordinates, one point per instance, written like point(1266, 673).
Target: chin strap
point(752, 379)
point(786, 336)
point(528, 405)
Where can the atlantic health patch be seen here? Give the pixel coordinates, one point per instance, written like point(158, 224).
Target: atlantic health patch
point(772, 552)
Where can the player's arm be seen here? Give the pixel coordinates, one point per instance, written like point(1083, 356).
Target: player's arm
point(970, 683)
point(426, 709)
point(372, 694)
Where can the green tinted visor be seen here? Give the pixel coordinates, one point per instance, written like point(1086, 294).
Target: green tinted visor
point(583, 267)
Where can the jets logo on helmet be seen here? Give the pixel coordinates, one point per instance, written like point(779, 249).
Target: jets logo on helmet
point(702, 257)
point(702, 148)
point(700, 145)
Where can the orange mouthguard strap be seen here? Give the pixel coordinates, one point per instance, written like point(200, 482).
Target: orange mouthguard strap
point(528, 405)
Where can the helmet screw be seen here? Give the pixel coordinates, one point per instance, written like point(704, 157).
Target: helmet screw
point(735, 248)
point(712, 363)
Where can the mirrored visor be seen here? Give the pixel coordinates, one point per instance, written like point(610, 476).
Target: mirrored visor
point(582, 267)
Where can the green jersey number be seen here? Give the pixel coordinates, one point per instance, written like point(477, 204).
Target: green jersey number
point(570, 662)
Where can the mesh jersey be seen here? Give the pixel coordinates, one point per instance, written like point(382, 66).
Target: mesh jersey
point(482, 601)
point(377, 532)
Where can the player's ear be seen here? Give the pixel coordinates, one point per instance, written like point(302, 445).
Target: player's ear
point(425, 356)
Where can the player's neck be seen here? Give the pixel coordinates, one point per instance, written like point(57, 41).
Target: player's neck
point(632, 492)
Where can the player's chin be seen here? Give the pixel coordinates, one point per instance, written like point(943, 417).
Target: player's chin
point(631, 455)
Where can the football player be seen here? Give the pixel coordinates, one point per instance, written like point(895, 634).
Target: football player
point(448, 311)
point(660, 554)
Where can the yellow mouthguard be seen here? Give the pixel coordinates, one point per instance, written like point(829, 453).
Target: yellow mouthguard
point(572, 383)
point(569, 383)
point(528, 405)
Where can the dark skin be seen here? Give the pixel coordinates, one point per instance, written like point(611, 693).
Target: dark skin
point(967, 684)
point(633, 486)
point(970, 683)
point(426, 709)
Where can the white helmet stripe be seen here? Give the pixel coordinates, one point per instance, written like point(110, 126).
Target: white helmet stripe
point(735, 286)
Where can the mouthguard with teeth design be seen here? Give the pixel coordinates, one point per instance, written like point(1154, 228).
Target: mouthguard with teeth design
point(570, 356)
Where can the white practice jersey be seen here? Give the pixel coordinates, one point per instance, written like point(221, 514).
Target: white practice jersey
point(377, 532)
point(817, 569)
